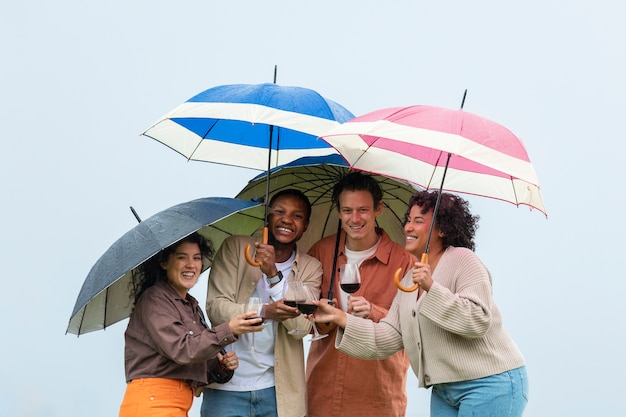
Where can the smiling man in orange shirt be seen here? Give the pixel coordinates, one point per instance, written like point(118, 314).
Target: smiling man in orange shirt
point(339, 385)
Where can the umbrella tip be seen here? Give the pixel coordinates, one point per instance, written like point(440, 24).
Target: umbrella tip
point(135, 214)
point(463, 100)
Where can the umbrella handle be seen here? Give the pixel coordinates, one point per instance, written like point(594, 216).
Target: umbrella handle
point(247, 249)
point(396, 277)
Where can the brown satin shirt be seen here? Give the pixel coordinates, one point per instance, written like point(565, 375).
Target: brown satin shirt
point(166, 338)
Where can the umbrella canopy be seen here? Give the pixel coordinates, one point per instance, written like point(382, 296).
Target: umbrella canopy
point(316, 177)
point(242, 124)
point(412, 143)
point(104, 298)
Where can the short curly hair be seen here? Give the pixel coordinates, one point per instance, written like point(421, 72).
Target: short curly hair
point(148, 273)
point(453, 218)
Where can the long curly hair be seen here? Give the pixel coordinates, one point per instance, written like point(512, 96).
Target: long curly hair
point(453, 217)
point(148, 273)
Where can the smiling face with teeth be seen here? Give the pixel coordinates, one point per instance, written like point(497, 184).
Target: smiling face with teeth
point(358, 218)
point(416, 231)
point(288, 219)
point(183, 267)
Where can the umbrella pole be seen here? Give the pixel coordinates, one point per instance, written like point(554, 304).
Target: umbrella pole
point(432, 222)
point(424, 259)
point(333, 272)
point(265, 237)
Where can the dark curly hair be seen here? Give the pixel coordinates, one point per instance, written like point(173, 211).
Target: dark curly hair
point(148, 273)
point(453, 217)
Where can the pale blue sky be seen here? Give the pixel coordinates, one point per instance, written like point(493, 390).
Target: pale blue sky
point(80, 80)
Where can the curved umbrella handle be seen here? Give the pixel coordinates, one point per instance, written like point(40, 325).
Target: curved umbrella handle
point(247, 249)
point(396, 277)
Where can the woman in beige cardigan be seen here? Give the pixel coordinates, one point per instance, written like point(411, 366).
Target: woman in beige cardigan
point(451, 328)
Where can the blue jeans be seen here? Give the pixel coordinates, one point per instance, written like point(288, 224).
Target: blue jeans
point(501, 395)
point(219, 403)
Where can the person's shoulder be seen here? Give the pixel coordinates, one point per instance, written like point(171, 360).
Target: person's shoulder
point(238, 239)
point(325, 242)
point(304, 257)
point(461, 251)
point(462, 254)
point(387, 242)
point(160, 290)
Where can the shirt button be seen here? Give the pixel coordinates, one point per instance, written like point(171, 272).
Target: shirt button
point(190, 331)
point(413, 313)
point(151, 398)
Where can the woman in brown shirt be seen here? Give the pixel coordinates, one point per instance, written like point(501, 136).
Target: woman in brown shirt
point(169, 349)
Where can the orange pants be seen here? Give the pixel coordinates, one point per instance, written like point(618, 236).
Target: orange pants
point(156, 397)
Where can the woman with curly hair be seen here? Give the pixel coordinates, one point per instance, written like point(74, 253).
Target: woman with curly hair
point(451, 329)
point(170, 352)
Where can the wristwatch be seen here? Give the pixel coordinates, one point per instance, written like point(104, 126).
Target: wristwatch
point(276, 279)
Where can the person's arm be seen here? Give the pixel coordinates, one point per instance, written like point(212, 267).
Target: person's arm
point(467, 311)
point(226, 273)
point(377, 312)
point(359, 337)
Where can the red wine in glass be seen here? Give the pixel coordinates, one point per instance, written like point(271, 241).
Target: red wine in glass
point(351, 288)
point(257, 317)
point(350, 278)
point(307, 308)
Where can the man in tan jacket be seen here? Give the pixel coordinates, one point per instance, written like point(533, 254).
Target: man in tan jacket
point(270, 379)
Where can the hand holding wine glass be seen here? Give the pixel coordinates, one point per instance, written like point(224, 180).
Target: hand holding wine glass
point(254, 305)
point(294, 295)
point(308, 307)
point(350, 282)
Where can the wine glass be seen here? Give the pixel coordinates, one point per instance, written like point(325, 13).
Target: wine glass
point(254, 304)
point(350, 278)
point(294, 294)
point(307, 307)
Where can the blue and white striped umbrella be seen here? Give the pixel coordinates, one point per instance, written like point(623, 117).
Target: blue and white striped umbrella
point(238, 124)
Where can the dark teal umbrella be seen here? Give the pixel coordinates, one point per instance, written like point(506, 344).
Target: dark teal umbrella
point(105, 299)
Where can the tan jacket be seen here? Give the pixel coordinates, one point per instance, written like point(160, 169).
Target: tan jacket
point(231, 282)
point(453, 333)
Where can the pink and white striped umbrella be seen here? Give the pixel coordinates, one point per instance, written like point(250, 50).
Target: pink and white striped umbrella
point(413, 143)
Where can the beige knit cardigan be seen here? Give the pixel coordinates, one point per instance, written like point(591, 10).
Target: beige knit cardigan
point(452, 333)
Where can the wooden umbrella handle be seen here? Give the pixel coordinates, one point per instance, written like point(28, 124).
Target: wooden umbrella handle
point(396, 277)
point(247, 249)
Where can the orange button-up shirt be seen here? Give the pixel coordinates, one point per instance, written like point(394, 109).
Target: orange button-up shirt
point(339, 385)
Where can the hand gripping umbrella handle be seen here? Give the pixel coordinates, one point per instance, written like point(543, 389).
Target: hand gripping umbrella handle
point(247, 250)
point(396, 277)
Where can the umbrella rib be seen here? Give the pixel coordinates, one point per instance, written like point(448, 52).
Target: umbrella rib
point(82, 319)
point(432, 174)
point(514, 191)
point(204, 136)
point(106, 300)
